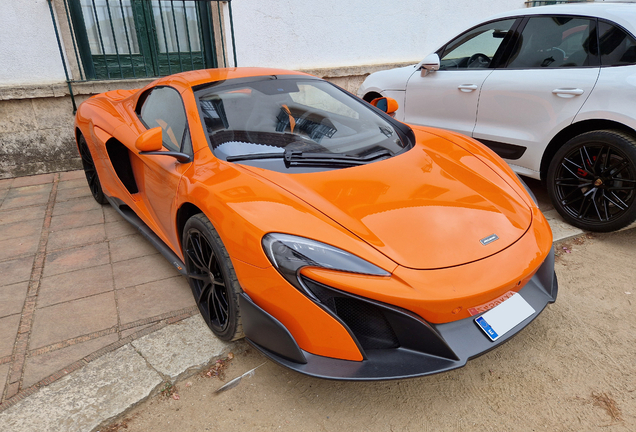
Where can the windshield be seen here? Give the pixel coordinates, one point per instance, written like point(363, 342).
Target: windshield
point(270, 121)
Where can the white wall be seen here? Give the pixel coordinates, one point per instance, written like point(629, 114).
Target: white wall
point(293, 34)
point(28, 47)
point(303, 34)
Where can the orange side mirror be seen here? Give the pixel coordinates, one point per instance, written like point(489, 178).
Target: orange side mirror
point(151, 140)
point(386, 104)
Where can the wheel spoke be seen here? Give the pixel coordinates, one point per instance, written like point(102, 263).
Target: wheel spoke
point(195, 260)
point(207, 288)
point(622, 204)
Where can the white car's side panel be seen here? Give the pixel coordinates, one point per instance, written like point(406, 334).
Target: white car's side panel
point(611, 103)
point(529, 107)
point(445, 99)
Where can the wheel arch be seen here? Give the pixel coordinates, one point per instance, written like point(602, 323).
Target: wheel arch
point(577, 129)
point(369, 96)
point(185, 212)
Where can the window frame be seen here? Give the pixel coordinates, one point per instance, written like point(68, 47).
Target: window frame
point(598, 38)
point(594, 59)
point(501, 52)
point(149, 62)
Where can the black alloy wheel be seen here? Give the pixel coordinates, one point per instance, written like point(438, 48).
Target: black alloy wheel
point(592, 180)
point(212, 278)
point(91, 173)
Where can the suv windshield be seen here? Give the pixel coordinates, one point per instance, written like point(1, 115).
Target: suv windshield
point(283, 122)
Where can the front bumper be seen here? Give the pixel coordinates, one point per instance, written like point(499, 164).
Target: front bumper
point(422, 348)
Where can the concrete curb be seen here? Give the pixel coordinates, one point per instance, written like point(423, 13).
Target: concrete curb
point(116, 382)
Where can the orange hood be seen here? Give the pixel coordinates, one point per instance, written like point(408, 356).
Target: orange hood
point(427, 208)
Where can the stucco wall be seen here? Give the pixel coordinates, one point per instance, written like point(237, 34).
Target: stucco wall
point(296, 34)
point(28, 47)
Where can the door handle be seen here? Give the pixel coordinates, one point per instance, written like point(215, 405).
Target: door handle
point(568, 92)
point(467, 88)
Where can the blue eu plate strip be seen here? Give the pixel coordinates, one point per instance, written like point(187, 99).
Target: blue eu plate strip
point(486, 327)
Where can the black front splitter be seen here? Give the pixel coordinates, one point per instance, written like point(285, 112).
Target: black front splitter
point(464, 337)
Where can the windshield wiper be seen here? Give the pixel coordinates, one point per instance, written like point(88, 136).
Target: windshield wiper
point(300, 158)
point(252, 156)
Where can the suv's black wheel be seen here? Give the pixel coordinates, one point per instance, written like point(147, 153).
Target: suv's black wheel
point(592, 180)
point(212, 278)
point(91, 173)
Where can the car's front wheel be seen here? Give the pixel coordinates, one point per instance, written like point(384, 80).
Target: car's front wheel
point(592, 180)
point(212, 278)
point(90, 172)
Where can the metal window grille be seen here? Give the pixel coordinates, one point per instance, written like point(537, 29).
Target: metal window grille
point(534, 3)
point(122, 39)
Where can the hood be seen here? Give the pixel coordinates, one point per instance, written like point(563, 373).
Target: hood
point(387, 80)
point(433, 206)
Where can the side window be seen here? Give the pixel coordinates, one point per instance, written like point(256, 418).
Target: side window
point(553, 42)
point(164, 108)
point(476, 48)
point(617, 47)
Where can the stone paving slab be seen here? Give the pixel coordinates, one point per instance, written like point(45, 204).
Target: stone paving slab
point(175, 349)
point(115, 382)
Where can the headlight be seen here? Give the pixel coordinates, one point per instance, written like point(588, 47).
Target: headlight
point(534, 198)
point(290, 253)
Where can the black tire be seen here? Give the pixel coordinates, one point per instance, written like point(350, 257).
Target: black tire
point(592, 180)
point(90, 172)
point(212, 278)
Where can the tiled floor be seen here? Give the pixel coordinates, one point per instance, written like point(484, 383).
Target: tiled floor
point(75, 278)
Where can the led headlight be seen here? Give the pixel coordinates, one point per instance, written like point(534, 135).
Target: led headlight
point(290, 253)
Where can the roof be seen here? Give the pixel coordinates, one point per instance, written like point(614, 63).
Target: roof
point(202, 76)
point(622, 13)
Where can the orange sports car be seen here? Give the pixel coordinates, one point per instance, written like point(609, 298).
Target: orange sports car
point(340, 242)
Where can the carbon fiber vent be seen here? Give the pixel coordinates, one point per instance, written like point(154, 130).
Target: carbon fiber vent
point(366, 321)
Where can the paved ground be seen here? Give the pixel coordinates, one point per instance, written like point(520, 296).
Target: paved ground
point(82, 292)
point(77, 281)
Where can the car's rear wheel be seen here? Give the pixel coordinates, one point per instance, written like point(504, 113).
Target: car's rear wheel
point(212, 278)
point(91, 173)
point(592, 180)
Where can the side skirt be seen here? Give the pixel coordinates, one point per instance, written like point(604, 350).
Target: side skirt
point(128, 214)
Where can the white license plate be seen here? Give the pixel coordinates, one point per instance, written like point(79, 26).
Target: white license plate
point(502, 318)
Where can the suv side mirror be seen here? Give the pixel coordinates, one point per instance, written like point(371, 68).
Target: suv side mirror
point(151, 143)
point(430, 64)
point(386, 104)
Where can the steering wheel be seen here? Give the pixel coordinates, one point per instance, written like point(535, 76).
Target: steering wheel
point(478, 61)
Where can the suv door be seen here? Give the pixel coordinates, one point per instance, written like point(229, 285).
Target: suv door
point(549, 74)
point(448, 98)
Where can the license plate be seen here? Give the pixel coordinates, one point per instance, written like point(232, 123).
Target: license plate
point(503, 317)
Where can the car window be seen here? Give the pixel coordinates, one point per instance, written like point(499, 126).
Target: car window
point(617, 47)
point(163, 107)
point(476, 48)
point(296, 114)
point(552, 42)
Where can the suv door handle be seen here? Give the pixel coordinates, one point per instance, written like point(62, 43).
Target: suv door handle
point(467, 88)
point(568, 92)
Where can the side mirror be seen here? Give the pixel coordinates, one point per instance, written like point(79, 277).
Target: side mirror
point(150, 140)
point(151, 143)
point(430, 64)
point(386, 104)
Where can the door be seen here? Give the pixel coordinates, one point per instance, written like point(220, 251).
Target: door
point(448, 98)
point(161, 175)
point(550, 73)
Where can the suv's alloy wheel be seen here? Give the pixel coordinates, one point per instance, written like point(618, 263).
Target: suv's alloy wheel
point(592, 180)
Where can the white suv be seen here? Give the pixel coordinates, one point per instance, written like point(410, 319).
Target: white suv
point(552, 90)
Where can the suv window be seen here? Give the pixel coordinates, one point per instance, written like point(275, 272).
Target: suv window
point(163, 107)
point(476, 48)
point(618, 48)
point(553, 42)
